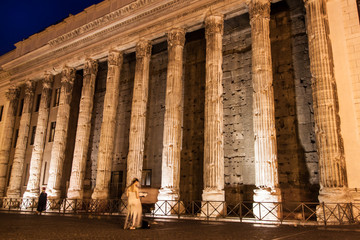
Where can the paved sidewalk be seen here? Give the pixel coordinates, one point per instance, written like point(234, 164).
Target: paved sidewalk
point(24, 226)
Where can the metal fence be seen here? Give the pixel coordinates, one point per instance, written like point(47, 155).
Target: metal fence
point(246, 211)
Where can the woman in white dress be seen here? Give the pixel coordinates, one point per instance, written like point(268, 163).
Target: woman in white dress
point(134, 214)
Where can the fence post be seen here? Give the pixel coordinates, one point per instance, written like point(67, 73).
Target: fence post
point(324, 213)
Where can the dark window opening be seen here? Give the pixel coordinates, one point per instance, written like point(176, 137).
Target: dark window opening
point(52, 131)
point(32, 139)
point(16, 137)
point(146, 178)
point(56, 97)
point(1, 112)
point(38, 99)
point(21, 107)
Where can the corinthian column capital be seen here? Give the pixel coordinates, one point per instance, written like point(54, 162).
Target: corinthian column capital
point(176, 37)
point(143, 48)
point(214, 24)
point(29, 88)
point(68, 75)
point(12, 93)
point(259, 8)
point(115, 58)
point(91, 67)
point(48, 80)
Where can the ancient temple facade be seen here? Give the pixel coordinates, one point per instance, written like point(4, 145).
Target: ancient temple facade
point(211, 100)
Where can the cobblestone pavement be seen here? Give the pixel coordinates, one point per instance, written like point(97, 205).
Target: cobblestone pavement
point(25, 226)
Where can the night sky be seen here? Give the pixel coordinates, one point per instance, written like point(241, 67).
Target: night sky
point(19, 19)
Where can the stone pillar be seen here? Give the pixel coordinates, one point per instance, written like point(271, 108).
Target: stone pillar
point(266, 165)
point(17, 172)
point(138, 111)
point(333, 178)
point(61, 130)
point(214, 140)
point(33, 186)
point(332, 166)
point(108, 126)
point(13, 96)
point(170, 173)
point(83, 131)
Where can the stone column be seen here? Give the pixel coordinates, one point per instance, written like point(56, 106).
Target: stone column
point(61, 130)
point(333, 177)
point(138, 111)
point(17, 172)
point(83, 131)
point(266, 164)
point(13, 96)
point(214, 140)
point(107, 134)
point(33, 186)
point(170, 173)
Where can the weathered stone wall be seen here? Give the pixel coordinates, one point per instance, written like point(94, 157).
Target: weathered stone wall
point(100, 88)
point(238, 121)
point(192, 154)
point(155, 113)
point(121, 147)
point(297, 158)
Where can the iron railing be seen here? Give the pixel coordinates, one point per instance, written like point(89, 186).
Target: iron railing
point(246, 211)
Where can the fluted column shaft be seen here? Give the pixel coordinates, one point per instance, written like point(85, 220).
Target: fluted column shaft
point(138, 111)
point(170, 174)
point(20, 150)
point(266, 165)
point(83, 131)
point(326, 110)
point(107, 134)
point(33, 186)
point(61, 130)
point(214, 140)
point(13, 96)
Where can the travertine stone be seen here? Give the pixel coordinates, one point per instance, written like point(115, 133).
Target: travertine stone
point(138, 111)
point(266, 165)
point(107, 134)
point(19, 156)
point(83, 131)
point(170, 174)
point(12, 95)
point(61, 130)
point(326, 110)
point(33, 185)
point(213, 129)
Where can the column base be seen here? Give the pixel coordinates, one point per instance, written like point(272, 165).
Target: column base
point(13, 193)
point(31, 194)
point(213, 203)
point(100, 194)
point(74, 194)
point(168, 202)
point(53, 193)
point(334, 207)
point(267, 204)
point(29, 198)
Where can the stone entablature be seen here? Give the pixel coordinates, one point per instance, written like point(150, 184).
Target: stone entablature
point(151, 19)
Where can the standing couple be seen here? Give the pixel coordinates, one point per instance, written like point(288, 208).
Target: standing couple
point(134, 214)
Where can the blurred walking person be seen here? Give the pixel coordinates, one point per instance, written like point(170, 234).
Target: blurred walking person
point(134, 214)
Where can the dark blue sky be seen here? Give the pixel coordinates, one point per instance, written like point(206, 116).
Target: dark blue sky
point(20, 19)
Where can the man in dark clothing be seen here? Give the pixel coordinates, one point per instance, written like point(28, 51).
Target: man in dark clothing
point(42, 201)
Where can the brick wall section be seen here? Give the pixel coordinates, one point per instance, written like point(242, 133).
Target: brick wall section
point(91, 163)
point(297, 158)
point(238, 121)
point(155, 113)
point(192, 154)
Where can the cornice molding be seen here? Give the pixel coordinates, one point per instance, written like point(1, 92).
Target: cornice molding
point(108, 18)
point(120, 34)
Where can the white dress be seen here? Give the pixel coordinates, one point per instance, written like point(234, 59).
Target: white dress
point(134, 214)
